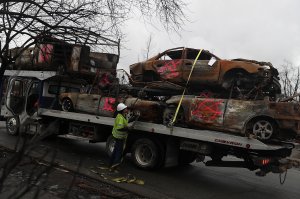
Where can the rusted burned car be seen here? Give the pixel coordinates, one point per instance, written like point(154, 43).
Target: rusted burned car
point(262, 118)
point(53, 54)
point(249, 78)
point(150, 111)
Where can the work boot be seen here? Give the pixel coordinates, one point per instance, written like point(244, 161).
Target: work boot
point(114, 168)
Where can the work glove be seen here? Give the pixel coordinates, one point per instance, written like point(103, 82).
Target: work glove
point(130, 126)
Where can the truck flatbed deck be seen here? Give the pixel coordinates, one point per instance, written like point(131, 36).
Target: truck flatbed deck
point(200, 135)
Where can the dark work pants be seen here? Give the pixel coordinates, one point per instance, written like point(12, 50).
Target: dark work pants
point(117, 154)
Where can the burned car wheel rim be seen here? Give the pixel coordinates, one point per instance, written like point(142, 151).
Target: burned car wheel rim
point(12, 125)
point(263, 129)
point(67, 105)
point(144, 155)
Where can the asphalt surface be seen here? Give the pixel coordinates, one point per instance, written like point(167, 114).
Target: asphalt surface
point(33, 178)
point(193, 181)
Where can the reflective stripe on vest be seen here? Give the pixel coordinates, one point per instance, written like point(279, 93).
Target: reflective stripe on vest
point(120, 122)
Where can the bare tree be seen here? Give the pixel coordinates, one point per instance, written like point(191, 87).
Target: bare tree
point(290, 79)
point(148, 46)
point(87, 22)
point(77, 21)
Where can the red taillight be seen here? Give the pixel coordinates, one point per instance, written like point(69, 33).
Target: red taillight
point(265, 161)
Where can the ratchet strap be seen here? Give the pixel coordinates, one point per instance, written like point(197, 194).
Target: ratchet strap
point(179, 104)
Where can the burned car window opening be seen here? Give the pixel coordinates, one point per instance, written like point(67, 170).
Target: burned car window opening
point(171, 55)
point(192, 54)
point(55, 89)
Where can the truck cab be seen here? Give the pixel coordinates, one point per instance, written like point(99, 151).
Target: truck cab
point(23, 95)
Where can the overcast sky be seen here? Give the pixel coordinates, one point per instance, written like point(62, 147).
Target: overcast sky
point(264, 30)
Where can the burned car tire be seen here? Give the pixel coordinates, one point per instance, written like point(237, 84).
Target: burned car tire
point(12, 125)
point(146, 154)
point(67, 105)
point(264, 129)
point(168, 116)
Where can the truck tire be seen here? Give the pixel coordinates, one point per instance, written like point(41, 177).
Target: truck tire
point(146, 154)
point(12, 125)
point(109, 147)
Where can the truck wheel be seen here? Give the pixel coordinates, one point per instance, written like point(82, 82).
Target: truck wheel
point(146, 154)
point(12, 125)
point(67, 105)
point(186, 157)
point(110, 145)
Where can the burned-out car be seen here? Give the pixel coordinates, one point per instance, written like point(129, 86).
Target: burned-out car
point(248, 79)
point(263, 119)
point(106, 105)
point(51, 54)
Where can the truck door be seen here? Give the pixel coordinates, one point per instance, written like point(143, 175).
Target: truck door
point(15, 99)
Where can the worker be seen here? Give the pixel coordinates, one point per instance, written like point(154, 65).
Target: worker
point(119, 133)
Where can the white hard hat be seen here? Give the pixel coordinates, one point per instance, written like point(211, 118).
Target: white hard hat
point(121, 107)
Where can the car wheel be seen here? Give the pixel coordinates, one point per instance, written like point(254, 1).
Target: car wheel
point(146, 154)
point(67, 105)
point(264, 129)
point(169, 114)
point(238, 78)
point(110, 145)
point(12, 125)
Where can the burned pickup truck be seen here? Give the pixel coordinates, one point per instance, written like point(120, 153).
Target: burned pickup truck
point(244, 79)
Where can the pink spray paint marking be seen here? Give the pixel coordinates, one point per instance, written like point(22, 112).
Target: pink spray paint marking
point(45, 53)
point(109, 104)
point(207, 110)
point(169, 70)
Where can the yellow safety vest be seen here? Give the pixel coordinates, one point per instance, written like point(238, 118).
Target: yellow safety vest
point(120, 122)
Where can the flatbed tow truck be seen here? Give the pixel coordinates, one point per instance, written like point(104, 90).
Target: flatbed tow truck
point(151, 145)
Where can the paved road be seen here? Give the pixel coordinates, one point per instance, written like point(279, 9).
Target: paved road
point(194, 181)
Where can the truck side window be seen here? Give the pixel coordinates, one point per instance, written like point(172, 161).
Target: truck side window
point(32, 99)
point(4, 90)
point(16, 101)
point(17, 89)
